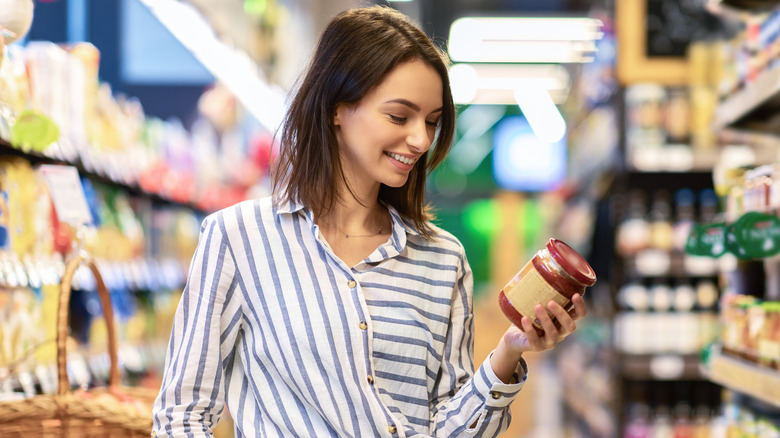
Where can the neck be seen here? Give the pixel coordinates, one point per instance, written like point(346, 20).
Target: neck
point(354, 217)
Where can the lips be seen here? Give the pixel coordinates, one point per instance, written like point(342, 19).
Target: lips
point(401, 158)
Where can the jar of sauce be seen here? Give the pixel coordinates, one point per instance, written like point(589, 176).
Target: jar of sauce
point(556, 273)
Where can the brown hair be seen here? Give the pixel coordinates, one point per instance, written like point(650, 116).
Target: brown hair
point(356, 51)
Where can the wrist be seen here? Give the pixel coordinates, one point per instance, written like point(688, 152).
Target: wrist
point(504, 361)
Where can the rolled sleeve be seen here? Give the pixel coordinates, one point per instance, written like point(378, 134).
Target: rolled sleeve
point(496, 393)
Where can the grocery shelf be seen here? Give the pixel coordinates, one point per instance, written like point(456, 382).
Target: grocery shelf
point(7, 149)
point(744, 377)
point(744, 101)
point(660, 366)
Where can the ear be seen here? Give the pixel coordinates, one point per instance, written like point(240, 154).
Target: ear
point(338, 117)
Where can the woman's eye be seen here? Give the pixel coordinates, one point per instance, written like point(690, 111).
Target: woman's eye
point(434, 123)
point(397, 119)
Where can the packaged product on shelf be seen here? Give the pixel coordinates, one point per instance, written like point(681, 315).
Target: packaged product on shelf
point(684, 218)
point(633, 232)
point(735, 327)
point(660, 216)
point(769, 336)
point(14, 90)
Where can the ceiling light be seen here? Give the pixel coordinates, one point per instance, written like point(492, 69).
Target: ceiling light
point(232, 67)
point(542, 114)
point(536, 40)
point(495, 84)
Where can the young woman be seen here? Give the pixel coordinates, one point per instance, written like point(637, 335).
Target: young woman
point(336, 308)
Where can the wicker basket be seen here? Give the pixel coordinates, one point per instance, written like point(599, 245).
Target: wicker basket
point(112, 412)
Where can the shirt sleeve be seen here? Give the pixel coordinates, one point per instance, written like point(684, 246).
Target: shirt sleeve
point(204, 332)
point(468, 403)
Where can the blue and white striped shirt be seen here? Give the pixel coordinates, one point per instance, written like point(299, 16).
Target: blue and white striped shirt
point(296, 343)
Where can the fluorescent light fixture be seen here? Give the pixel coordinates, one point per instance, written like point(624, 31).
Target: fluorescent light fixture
point(542, 114)
point(535, 40)
point(234, 68)
point(495, 84)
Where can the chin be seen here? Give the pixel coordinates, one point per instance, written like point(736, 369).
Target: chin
point(396, 183)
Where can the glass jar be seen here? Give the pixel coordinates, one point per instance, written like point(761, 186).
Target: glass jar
point(556, 273)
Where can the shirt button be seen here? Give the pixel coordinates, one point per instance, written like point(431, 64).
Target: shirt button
point(351, 284)
point(370, 380)
point(363, 325)
point(495, 394)
point(391, 428)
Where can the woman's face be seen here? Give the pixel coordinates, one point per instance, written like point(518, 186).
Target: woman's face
point(391, 127)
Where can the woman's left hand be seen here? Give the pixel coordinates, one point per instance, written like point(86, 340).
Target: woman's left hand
point(515, 342)
point(529, 339)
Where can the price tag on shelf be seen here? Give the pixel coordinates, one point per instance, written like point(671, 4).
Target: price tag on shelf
point(68, 194)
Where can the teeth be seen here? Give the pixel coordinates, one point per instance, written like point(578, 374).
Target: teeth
point(401, 158)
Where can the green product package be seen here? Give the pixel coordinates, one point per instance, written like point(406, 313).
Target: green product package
point(755, 235)
point(707, 240)
point(34, 131)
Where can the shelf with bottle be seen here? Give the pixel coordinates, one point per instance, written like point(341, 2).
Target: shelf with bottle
point(142, 249)
point(662, 326)
point(660, 366)
point(756, 98)
point(686, 408)
point(749, 227)
point(651, 233)
point(667, 128)
point(8, 150)
point(216, 162)
point(749, 84)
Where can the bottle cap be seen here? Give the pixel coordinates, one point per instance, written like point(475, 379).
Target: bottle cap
point(571, 262)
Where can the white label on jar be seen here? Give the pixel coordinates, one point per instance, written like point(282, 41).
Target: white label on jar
point(528, 288)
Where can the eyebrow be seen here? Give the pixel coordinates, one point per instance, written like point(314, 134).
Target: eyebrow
point(412, 105)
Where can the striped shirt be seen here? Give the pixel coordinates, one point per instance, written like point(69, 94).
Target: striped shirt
point(275, 327)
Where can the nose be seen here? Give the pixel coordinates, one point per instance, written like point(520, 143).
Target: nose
point(419, 137)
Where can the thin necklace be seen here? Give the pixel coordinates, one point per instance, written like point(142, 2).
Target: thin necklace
point(347, 235)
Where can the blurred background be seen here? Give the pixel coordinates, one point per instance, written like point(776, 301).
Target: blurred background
point(644, 133)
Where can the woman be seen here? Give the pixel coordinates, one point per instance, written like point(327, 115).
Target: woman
point(336, 308)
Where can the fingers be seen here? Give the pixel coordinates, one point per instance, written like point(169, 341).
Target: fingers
point(565, 320)
point(550, 331)
point(578, 309)
point(530, 332)
point(557, 323)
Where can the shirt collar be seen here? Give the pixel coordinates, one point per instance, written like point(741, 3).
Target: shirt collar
point(400, 226)
point(287, 206)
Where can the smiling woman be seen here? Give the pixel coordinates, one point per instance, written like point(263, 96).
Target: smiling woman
point(336, 307)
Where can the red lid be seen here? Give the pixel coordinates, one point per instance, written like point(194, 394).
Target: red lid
point(571, 262)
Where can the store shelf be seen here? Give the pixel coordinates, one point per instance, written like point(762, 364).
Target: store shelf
point(7, 149)
point(660, 367)
point(673, 159)
point(664, 264)
point(755, 95)
point(745, 377)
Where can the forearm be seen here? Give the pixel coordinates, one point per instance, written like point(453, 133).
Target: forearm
point(504, 361)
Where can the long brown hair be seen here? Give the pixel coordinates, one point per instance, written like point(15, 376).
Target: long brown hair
point(356, 51)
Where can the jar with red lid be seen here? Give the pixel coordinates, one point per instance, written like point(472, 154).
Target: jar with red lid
point(556, 273)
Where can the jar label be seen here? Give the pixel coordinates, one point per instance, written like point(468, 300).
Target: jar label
point(528, 288)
